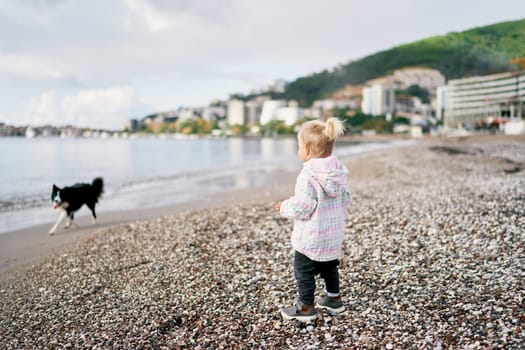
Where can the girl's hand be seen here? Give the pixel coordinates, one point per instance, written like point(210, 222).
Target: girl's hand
point(278, 207)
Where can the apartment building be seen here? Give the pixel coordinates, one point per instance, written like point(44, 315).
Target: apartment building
point(290, 115)
point(378, 99)
point(470, 100)
point(269, 110)
point(254, 109)
point(236, 112)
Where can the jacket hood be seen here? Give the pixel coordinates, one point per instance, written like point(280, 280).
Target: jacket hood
point(329, 173)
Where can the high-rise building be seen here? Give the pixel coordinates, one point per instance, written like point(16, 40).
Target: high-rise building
point(290, 115)
point(269, 110)
point(253, 110)
point(441, 102)
point(235, 114)
point(378, 99)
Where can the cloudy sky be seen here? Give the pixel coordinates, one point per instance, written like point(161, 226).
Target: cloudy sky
point(99, 63)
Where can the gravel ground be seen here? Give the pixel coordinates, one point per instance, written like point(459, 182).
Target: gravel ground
point(433, 259)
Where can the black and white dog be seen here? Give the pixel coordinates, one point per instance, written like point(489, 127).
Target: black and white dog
point(69, 199)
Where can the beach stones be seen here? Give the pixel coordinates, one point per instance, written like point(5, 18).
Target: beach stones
point(433, 258)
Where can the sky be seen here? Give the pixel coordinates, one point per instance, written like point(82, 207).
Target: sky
point(99, 63)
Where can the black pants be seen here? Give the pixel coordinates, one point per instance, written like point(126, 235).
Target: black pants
point(305, 271)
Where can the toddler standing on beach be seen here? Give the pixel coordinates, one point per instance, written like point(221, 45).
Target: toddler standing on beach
point(318, 209)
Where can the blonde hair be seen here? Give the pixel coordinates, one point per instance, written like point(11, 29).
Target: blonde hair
point(320, 136)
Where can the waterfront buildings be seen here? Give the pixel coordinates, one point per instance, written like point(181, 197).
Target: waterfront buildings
point(212, 113)
point(471, 100)
point(55, 131)
point(419, 94)
point(260, 110)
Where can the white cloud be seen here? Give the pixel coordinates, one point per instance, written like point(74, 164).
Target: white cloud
point(154, 20)
point(44, 108)
point(28, 67)
point(108, 108)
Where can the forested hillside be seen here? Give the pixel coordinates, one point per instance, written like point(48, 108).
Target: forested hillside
point(478, 51)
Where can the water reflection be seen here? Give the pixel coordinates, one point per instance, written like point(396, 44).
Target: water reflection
point(236, 151)
point(271, 148)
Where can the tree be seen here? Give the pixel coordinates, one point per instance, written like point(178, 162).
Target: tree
point(417, 91)
point(519, 61)
point(276, 127)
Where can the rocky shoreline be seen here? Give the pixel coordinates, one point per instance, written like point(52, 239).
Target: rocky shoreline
point(433, 259)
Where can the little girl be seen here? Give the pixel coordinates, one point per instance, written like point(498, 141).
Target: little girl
point(318, 209)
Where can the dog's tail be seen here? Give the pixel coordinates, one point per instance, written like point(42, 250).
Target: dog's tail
point(98, 187)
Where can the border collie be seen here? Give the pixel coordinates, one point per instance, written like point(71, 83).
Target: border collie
point(69, 199)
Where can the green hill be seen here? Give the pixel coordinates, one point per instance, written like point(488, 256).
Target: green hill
point(477, 51)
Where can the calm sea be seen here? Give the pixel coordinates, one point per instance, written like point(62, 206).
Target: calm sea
point(138, 172)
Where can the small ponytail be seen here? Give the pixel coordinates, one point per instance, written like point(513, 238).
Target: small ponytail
point(320, 136)
point(334, 128)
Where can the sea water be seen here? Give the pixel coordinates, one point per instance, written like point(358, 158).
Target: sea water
point(142, 172)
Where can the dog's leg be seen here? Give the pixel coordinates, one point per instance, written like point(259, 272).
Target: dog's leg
point(71, 217)
point(93, 214)
point(60, 218)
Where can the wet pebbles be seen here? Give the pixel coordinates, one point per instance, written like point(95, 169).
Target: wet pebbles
point(434, 259)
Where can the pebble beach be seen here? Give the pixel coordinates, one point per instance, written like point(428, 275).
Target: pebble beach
point(434, 258)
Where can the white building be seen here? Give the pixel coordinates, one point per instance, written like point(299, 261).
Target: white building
point(441, 102)
point(314, 113)
point(30, 132)
point(269, 110)
point(330, 104)
point(290, 115)
point(214, 113)
point(278, 85)
point(235, 114)
point(253, 110)
point(472, 99)
point(186, 114)
point(378, 99)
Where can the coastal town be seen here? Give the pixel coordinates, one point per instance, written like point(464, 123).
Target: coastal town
point(413, 101)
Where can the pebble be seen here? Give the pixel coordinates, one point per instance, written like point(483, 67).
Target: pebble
point(433, 258)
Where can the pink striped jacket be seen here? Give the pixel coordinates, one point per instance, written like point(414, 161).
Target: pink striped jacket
point(318, 208)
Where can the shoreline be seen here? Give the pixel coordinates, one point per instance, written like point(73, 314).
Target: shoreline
point(20, 249)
